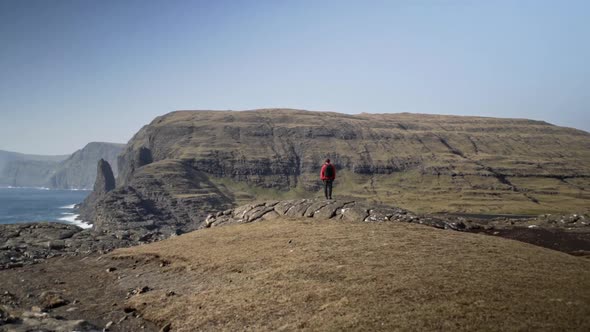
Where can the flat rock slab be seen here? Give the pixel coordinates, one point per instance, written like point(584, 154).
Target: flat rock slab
point(355, 212)
point(298, 210)
point(282, 207)
point(328, 211)
point(315, 207)
point(257, 213)
point(240, 212)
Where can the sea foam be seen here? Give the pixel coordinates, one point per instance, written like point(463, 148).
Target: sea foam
point(38, 188)
point(71, 206)
point(70, 218)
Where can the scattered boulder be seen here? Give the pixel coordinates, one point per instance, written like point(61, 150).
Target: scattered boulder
point(105, 180)
point(51, 299)
point(354, 212)
point(328, 210)
point(35, 321)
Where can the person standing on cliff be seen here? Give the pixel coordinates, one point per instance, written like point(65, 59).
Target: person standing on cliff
point(328, 175)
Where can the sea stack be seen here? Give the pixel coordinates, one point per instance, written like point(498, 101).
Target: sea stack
point(105, 180)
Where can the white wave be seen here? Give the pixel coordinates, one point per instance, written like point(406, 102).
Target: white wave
point(45, 188)
point(38, 188)
point(70, 218)
point(71, 206)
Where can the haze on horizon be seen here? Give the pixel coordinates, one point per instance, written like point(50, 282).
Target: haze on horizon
point(81, 71)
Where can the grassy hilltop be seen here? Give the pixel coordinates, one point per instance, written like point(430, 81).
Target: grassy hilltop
point(334, 276)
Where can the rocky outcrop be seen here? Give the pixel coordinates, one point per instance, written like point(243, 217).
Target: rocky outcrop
point(167, 197)
point(104, 183)
point(323, 209)
point(24, 244)
point(105, 180)
point(42, 321)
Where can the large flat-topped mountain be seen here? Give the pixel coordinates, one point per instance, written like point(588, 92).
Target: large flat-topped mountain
point(424, 162)
point(187, 163)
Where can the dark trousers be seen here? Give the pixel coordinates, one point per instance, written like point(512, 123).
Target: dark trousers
point(328, 188)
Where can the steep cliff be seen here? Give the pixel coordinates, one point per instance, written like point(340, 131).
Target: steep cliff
point(26, 170)
point(28, 173)
point(76, 171)
point(425, 163)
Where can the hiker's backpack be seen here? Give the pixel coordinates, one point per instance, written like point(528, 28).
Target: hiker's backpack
point(329, 172)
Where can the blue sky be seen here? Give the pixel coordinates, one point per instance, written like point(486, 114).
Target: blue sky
point(72, 72)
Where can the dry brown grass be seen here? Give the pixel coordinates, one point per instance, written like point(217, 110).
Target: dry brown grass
point(333, 276)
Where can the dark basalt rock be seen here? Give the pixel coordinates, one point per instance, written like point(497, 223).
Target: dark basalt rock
point(179, 203)
point(105, 180)
point(104, 183)
point(24, 244)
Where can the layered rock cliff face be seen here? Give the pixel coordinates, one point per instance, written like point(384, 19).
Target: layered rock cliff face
point(76, 171)
point(187, 162)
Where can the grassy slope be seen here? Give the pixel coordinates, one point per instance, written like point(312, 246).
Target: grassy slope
point(334, 276)
point(431, 194)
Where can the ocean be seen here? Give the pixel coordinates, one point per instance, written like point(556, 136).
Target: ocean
point(21, 205)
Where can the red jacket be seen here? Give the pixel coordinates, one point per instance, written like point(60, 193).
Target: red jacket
point(323, 172)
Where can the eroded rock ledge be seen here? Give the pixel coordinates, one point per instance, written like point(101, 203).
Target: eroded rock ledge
point(324, 209)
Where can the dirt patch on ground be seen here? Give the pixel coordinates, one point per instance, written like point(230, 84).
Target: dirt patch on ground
point(571, 242)
point(66, 289)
